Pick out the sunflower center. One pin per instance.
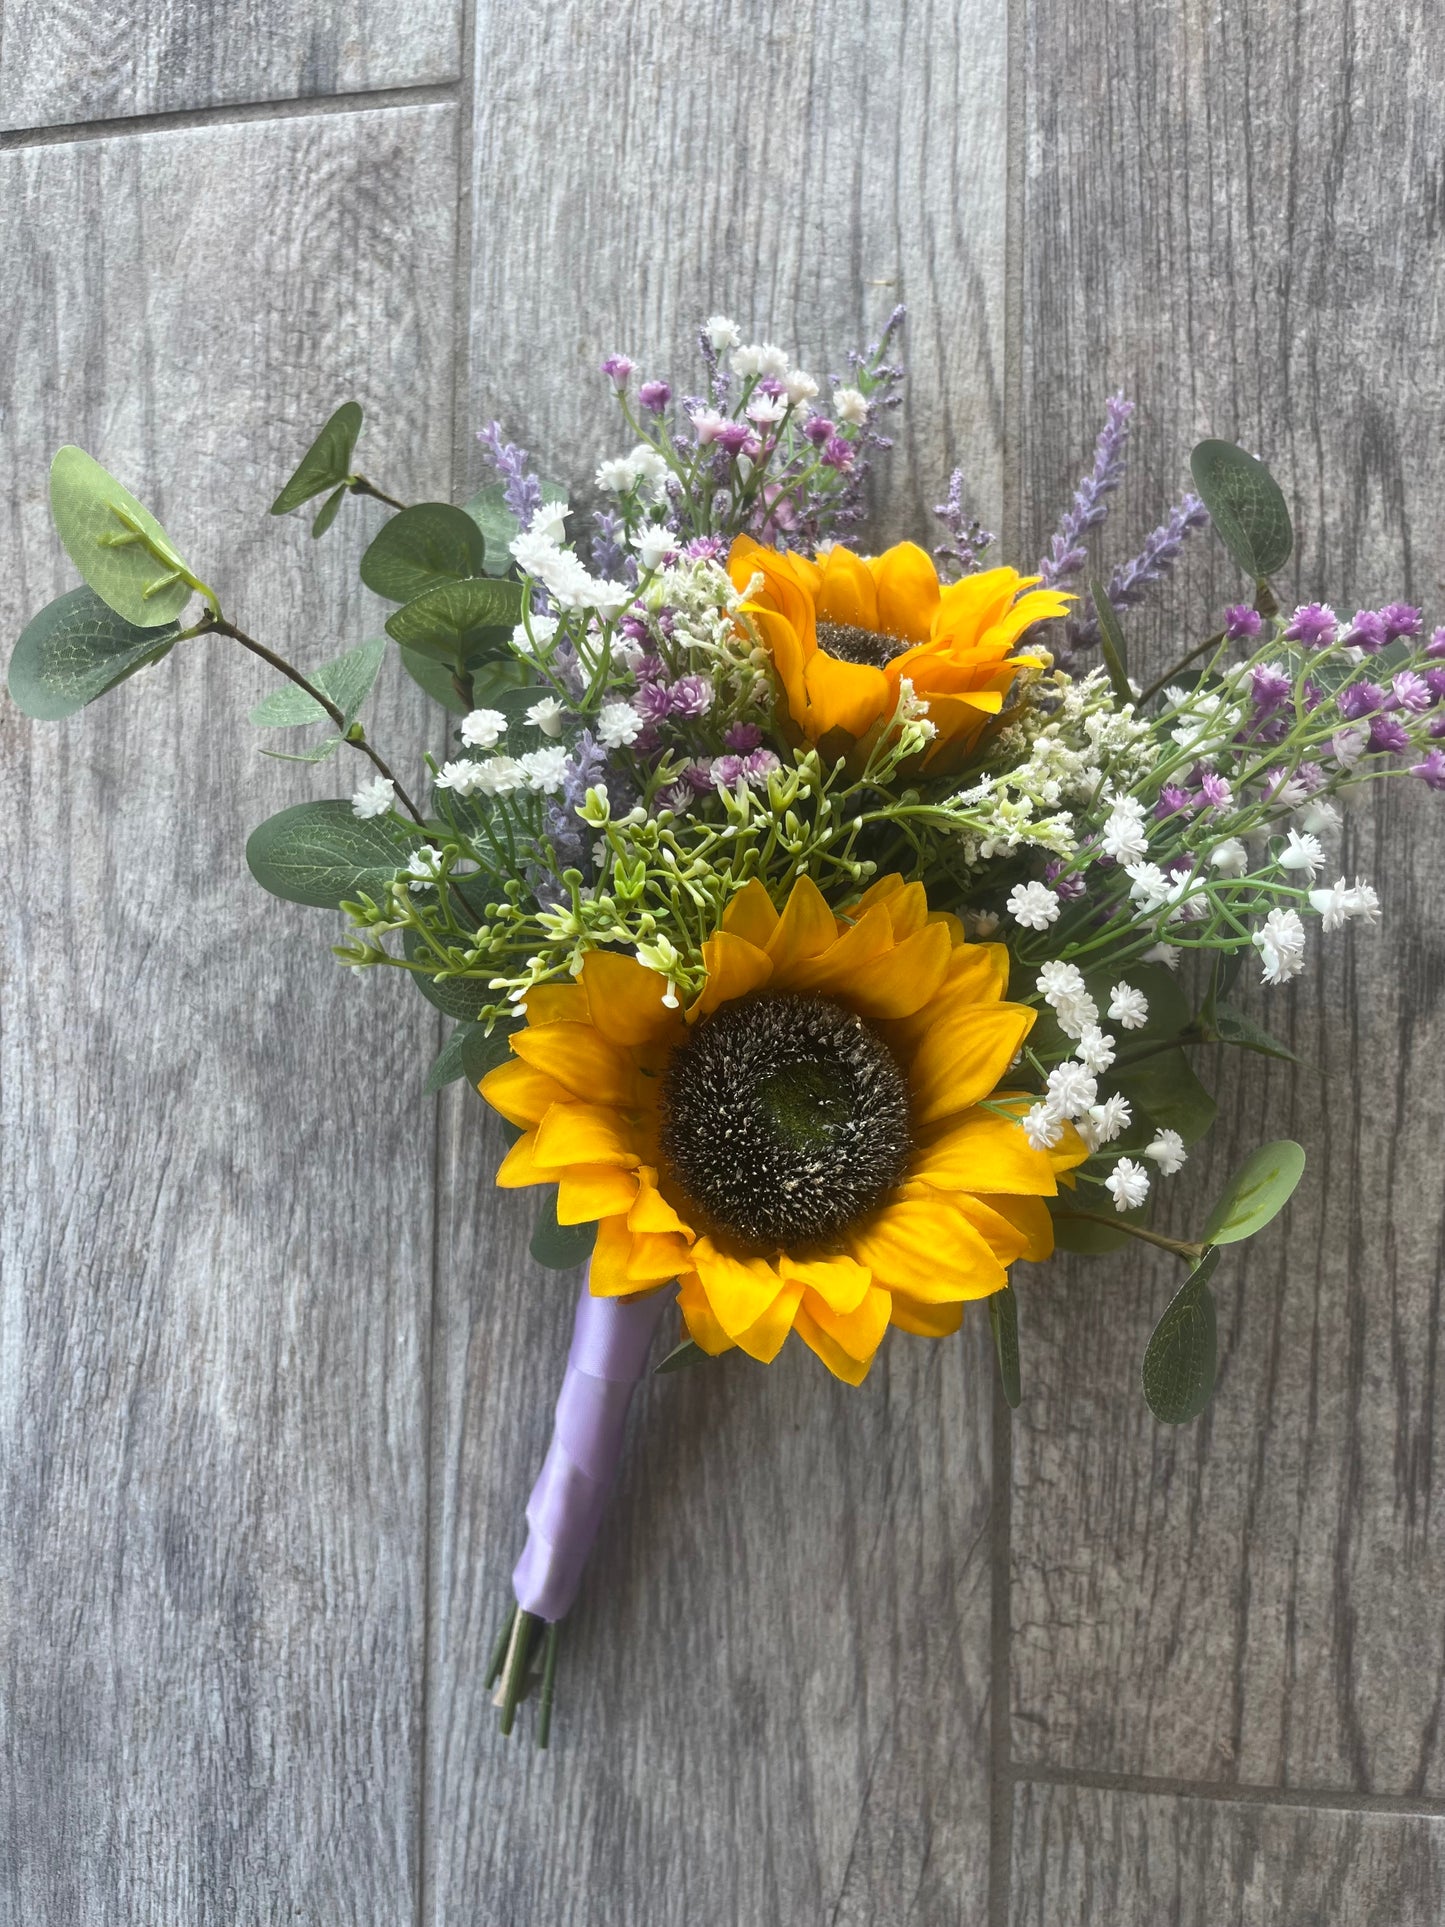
(849, 643)
(785, 1119)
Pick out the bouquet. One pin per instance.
(831, 930)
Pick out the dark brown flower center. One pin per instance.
(849, 643)
(785, 1119)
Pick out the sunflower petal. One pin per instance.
(860, 1331)
(764, 1339)
(847, 593)
(552, 1003)
(519, 1167)
(588, 1191)
(806, 927)
(607, 1270)
(652, 1212)
(522, 1095)
(963, 1054)
(702, 1327)
(981, 1151)
(832, 971)
(907, 584)
(584, 1134)
(580, 1059)
(739, 1290)
(903, 979)
(734, 967)
(840, 1281)
(851, 1370)
(1033, 1220)
(925, 1321)
(624, 999)
(851, 696)
(750, 915)
(925, 1247)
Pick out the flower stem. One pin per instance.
(513, 1684)
(360, 486)
(214, 623)
(1190, 1253)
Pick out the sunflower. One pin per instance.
(844, 631)
(817, 1145)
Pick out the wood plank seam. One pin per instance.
(229, 114)
(1314, 1799)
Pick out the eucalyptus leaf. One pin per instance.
(323, 854)
(326, 514)
(117, 545)
(1003, 1318)
(1169, 1009)
(1231, 1026)
(689, 1352)
(420, 548)
(560, 1246)
(75, 650)
(448, 1064)
(1256, 1193)
(1166, 1090)
(457, 619)
(1111, 641)
(1246, 505)
(1179, 1364)
(346, 679)
(435, 678)
(326, 464)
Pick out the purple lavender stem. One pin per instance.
(610, 1341)
(1067, 555)
(523, 494)
(969, 537)
(1131, 583)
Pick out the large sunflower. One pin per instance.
(809, 1148)
(845, 630)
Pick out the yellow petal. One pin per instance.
(925, 1321)
(580, 1059)
(652, 1212)
(860, 1331)
(1005, 1239)
(844, 695)
(624, 999)
(702, 1327)
(806, 927)
(519, 1167)
(851, 1370)
(584, 1134)
(1032, 1218)
(780, 638)
(831, 972)
(907, 584)
(904, 979)
(928, 1249)
(968, 607)
(981, 1151)
(588, 1191)
(521, 1094)
(840, 1281)
(738, 1289)
(977, 974)
(750, 915)
(763, 1340)
(962, 1056)
(734, 967)
(551, 1003)
(655, 1261)
(607, 1270)
(847, 593)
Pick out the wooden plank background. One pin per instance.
(274, 1368)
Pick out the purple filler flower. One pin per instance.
(743, 738)
(1435, 647)
(1215, 790)
(618, 368)
(654, 396)
(1400, 620)
(734, 437)
(1313, 625)
(652, 701)
(819, 430)
(1269, 687)
(1367, 631)
(1387, 733)
(691, 695)
(1432, 771)
(1241, 623)
(1172, 800)
(838, 454)
(1360, 699)
(1409, 691)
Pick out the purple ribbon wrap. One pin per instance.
(610, 1341)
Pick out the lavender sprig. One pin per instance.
(1067, 555)
(969, 537)
(1131, 582)
(523, 490)
(609, 557)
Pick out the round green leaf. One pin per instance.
(461, 997)
(560, 1246)
(75, 650)
(1245, 504)
(1256, 1193)
(1180, 1361)
(420, 548)
(499, 527)
(117, 545)
(435, 677)
(324, 855)
(326, 464)
(457, 620)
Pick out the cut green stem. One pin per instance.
(1190, 1253)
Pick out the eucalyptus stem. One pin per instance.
(214, 623)
(360, 486)
(1191, 1253)
(1163, 682)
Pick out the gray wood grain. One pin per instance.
(1217, 219)
(774, 1692)
(1096, 1858)
(215, 1249)
(62, 62)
